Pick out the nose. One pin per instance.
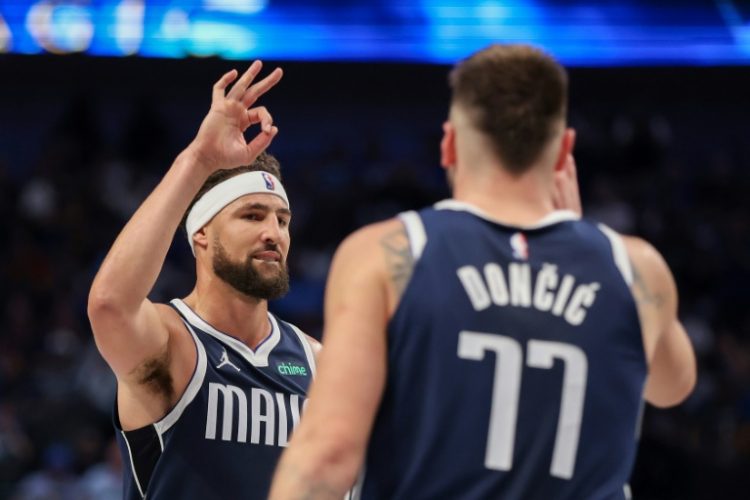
(271, 232)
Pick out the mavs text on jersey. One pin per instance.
(223, 438)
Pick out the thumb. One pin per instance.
(260, 143)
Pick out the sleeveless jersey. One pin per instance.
(223, 438)
(516, 365)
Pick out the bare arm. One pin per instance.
(128, 328)
(328, 447)
(672, 366)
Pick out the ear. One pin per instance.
(567, 142)
(200, 238)
(448, 146)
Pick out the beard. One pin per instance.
(246, 279)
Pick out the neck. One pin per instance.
(516, 200)
(479, 178)
(229, 311)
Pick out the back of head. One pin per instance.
(514, 94)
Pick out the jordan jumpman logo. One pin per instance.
(225, 361)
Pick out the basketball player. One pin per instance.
(491, 346)
(208, 387)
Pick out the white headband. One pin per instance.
(225, 193)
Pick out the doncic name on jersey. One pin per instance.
(519, 285)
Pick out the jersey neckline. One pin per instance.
(550, 219)
(257, 357)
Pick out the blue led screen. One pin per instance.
(587, 33)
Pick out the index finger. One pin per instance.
(221, 85)
(260, 88)
(247, 77)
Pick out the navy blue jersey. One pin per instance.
(223, 438)
(516, 366)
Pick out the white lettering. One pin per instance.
(546, 280)
(228, 392)
(474, 286)
(264, 407)
(520, 284)
(525, 287)
(583, 297)
(493, 273)
(282, 419)
(562, 294)
(294, 403)
(268, 418)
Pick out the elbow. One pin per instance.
(100, 303)
(677, 392)
(346, 458)
(685, 386)
(104, 309)
(326, 460)
(340, 461)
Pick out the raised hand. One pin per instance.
(220, 142)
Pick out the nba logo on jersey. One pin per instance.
(268, 180)
(520, 246)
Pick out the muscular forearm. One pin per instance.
(315, 469)
(132, 265)
(672, 372)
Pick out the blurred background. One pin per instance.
(97, 97)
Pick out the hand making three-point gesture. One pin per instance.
(220, 142)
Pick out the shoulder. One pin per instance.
(646, 259)
(374, 248)
(170, 318)
(375, 260)
(653, 285)
(371, 249)
(373, 236)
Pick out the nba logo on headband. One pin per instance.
(269, 181)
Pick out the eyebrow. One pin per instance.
(265, 208)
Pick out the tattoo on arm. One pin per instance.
(645, 295)
(398, 258)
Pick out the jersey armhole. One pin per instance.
(415, 232)
(194, 385)
(619, 253)
(307, 347)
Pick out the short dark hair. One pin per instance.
(265, 162)
(515, 94)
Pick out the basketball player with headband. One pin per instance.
(209, 387)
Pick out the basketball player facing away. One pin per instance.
(208, 387)
(491, 346)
